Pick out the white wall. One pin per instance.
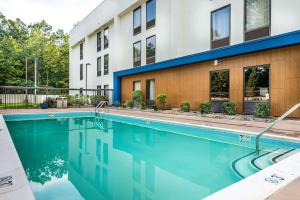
(182, 28)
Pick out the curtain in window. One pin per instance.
(220, 23)
(257, 14)
(152, 90)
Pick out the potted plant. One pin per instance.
(44, 105)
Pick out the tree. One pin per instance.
(18, 41)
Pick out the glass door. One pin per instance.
(150, 92)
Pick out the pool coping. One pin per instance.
(13, 179)
(286, 169)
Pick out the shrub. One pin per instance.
(129, 104)
(137, 96)
(162, 99)
(95, 100)
(124, 104)
(262, 110)
(154, 107)
(143, 106)
(185, 106)
(229, 108)
(205, 107)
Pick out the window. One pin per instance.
(137, 54)
(150, 50)
(219, 89)
(99, 36)
(257, 19)
(136, 85)
(256, 86)
(151, 13)
(106, 62)
(99, 90)
(81, 91)
(106, 41)
(99, 66)
(106, 87)
(81, 51)
(137, 21)
(220, 27)
(81, 72)
(150, 92)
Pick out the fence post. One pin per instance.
(5, 98)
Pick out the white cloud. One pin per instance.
(58, 13)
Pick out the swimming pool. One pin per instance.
(83, 156)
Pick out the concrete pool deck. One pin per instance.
(288, 168)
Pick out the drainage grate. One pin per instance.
(6, 181)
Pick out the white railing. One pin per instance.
(102, 104)
(290, 111)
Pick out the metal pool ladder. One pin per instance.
(297, 106)
(102, 104)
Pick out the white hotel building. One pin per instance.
(107, 37)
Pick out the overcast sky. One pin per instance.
(58, 13)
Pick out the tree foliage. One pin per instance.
(18, 41)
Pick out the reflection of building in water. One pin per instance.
(138, 163)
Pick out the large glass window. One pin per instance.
(219, 85)
(99, 36)
(219, 89)
(106, 64)
(81, 72)
(220, 30)
(150, 50)
(257, 14)
(137, 54)
(136, 85)
(106, 40)
(99, 66)
(151, 13)
(256, 86)
(257, 18)
(150, 92)
(81, 51)
(137, 20)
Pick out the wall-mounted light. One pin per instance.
(216, 62)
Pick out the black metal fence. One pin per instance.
(12, 97)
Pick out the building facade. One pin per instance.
(244, 51)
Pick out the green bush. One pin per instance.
(162, 99)
(154, 107)
(124, 104)
(95, 100)
(185, 106)
(143, 106)
(137, 96)
(205, 107)
(229, 108)
(262, 110)
(129, 104)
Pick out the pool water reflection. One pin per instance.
(90, 158)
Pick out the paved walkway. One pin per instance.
(290, 127)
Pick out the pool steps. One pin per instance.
(253, 162)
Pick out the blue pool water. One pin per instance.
(80, 156)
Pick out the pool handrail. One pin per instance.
(290, 111)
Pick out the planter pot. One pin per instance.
(44, 105)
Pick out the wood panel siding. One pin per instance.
(191, 82)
